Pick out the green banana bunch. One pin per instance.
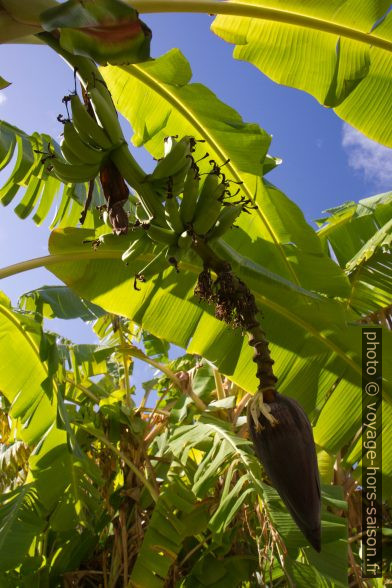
(86, 144)
(201, 212)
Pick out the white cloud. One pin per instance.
(369, 158)
(3, 98)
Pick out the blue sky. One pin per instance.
(324, 161)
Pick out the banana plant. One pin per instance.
(171, 249)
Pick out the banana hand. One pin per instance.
(72, 174)
(78, 152)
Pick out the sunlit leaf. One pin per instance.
(360, 236)
(20, 523)
(338, 51)
(24, 383)
(59, 302)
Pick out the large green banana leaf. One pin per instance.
(317, 356)
(360, 237)
(25, 382)
(59, 302)
(158, 100)
(339, 51)
(12, 29)
(20, 523)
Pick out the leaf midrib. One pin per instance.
(260, 12)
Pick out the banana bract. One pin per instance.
(288, 454)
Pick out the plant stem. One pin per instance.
(219, 386)
(48, 260)
(128, 400)
(168, 372)
(259, 12)
(165, 413)
(124, 545)
(135, 352)
(240, 406)
(121, 455)
(86, 391)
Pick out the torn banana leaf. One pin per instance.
(108, 31)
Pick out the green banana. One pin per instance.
(184, 240)
(136, 248)
(156, 266)
(172, 214)
(208, 204)
(107, 116)
(73, 174)
(135, 177)
(88, 129)
(141, 213)
(69, 154)
(189, 196)
(76, 151)
(173, 255)
(226, 218)
(175, 161)
(161, 235)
